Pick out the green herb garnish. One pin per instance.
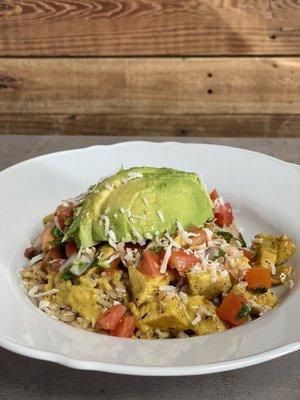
(66, 275)
(56, 242)
(243, 313)
(259, 290)
(241, 240)
(226, 235)
(57, 233)
(157, 249)
(220, 254)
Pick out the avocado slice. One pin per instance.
(140, 203)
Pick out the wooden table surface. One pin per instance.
(28, 379)
(176, 67)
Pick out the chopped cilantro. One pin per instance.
(157, 249)
(243, 313)
(57, 233)
(226, 235)
(220, 254)
(241, 240)
(66, 275)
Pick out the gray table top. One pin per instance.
(28, 379)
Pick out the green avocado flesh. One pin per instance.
(141, 203)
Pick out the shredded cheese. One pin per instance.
(106, 224)
(161, 216)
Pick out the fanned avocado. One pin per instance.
(140, 203)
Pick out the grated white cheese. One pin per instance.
(112, 258)
(165, 260)
(33, 292)
(37, 258)
(132, 175)
(183, 297)
(112, 235)
(56, 223)
(44, 304)
(196, 320)
(139, 237)
(113, 244)
(106, 224)
(224, 273)
(183, 234)
(213, 271)
(109, 186)
(168, 288)
(209, 235)
(145, 201)
(161, 216)
(273, 269)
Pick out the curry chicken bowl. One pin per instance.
(149, 253)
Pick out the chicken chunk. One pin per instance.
(203, 317)
(260, 303)
(201, 283)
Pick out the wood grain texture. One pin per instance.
(158, 125)
(183, 97)
(149, 27)
(150, 86)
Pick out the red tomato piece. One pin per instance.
(125, 327)
(71, 248)
(55, 265)
(114, 267)
(230, 308)
(200, 238)
(182, 261)
(52, 254)
(63, 212)
(214, 195)
(150, 263)
(223, 214)
(247, 253)
(108, 321)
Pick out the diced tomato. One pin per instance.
(214, 195)
(200, 238)
(258, 278)
(55, 265)
(52, 254)
(230, 308)
(30, 252)
(47, 237)
(125, 327)
(63, 212)
(110, 318)
(182, 261)
(150, 263)
(247, 253)
(71, 248)
(113, 268)
(223, 214)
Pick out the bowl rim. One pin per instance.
(137, 369)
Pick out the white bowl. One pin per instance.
(265, 194)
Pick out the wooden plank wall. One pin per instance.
(150, 67)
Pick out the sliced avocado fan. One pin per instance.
(140, 203)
